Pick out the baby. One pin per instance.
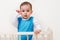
(26, 22)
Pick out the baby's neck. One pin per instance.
(25, 18)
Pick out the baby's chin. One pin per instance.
(25, 17)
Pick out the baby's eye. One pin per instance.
(23, 11)
(27, 10)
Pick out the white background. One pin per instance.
(48, 12)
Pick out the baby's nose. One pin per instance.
(25, 12)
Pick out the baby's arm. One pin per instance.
(37, 26)
(14, 21)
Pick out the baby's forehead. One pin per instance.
(26, 6)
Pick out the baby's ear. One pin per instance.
(31, 11)
(18, 11)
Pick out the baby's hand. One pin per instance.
(17, 11)
(37, 31)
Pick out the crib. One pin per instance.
(48, 35)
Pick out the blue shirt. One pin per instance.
(25, 26)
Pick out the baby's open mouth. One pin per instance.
(25, 15)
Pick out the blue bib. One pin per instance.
(25, 26)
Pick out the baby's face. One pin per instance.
(25, 11)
